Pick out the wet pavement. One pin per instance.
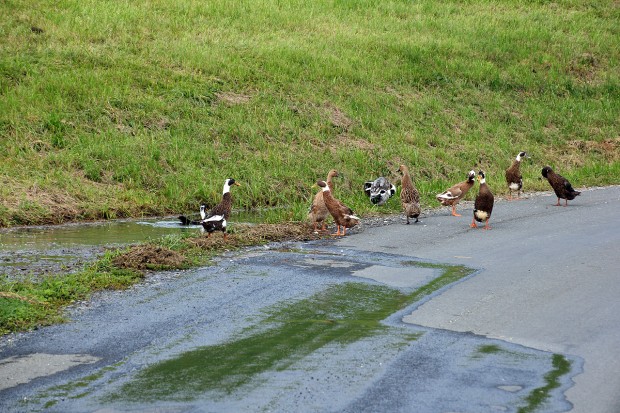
(318, 326)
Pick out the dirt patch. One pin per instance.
(245, 235)
(230, 98)
(142, 257)
(338, 118)
(148, 256)
(608, 147)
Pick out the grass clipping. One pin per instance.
(156, 257)
(150, 257)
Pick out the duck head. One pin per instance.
(322, 184)
(521, 156)
(471, 175)
(228, 183)
(480, 177)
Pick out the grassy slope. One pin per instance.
(144, 107)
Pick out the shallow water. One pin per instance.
(109, 233)
(28, 252)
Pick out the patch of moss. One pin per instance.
(561, 366)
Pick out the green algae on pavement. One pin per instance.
(342, 314)
(537, 397)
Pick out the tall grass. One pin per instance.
(112, 109)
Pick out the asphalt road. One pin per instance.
(546, 283)
(550, 280)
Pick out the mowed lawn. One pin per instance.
(128, 108)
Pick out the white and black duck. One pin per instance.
(379, 190)
(215, 219)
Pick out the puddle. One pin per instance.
(46, 238)
(19, 370)
(29, 252)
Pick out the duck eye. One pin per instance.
(382, 191)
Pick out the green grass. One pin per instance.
(110, 111)
(27, 304)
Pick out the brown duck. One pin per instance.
(409, 195)
(215, 220)
(455, 193)
(513, 176)
(318, 211)
(342, 214)
(483, 205)
(562, 188)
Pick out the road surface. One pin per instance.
(292, 327)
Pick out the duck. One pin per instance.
(483, 205)
(318, 211)
(562, 188)
(513, 176)
(455, 193)
(379, 190)
(215, 220)
(188, 221)
(342, 214)
(409, 195)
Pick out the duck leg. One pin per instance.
(337, 233)
(454, 211)
(558, 204)
(486, 225)
(473, 223)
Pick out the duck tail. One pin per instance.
(186, 221)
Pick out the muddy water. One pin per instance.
(30, 252)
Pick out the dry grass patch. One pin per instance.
(230, 98)
(148, 256)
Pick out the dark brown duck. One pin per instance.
(562, 188)
(483, 205)
(513, 176)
